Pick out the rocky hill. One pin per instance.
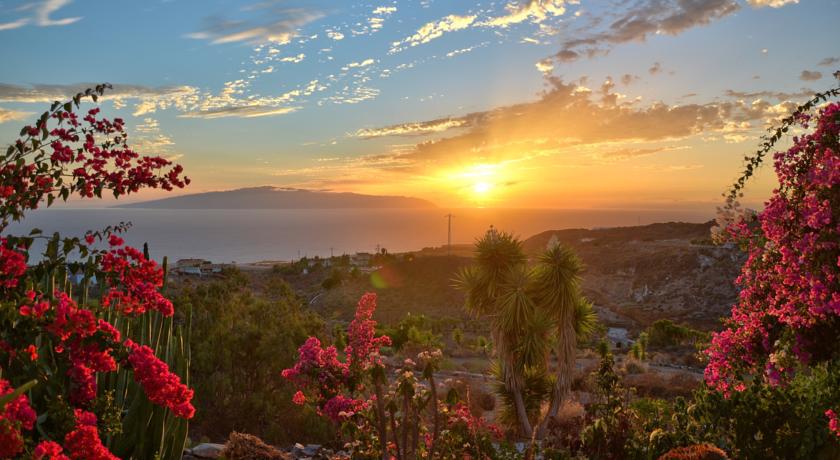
(636, 275)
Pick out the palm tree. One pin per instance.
(530, 309)
(558, 296)
(497, 288)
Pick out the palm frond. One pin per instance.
(556, 280)
(515, 305)
(586, 320)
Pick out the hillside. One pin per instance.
(280, 198)
(637, 275)
(634, 275)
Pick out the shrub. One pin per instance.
(239, 341)
(378, 418)
(695, 452)
(787, 318)
(99, 376)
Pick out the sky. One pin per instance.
(519, 104)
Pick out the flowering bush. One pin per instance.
(788, 314)
(69, 356)
(383, 417)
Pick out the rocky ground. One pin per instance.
(636, 275)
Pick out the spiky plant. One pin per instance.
(532, 311)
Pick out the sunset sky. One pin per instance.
(536, 104)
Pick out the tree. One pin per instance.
(530, 308)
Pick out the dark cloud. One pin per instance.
(810, 75)
(627, 79)
(829, 61)
(778, 95)
(640, 20)
(655, 68)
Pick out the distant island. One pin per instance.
(269, 197)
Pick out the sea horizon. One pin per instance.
(255, 235)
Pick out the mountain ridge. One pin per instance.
(268, 197)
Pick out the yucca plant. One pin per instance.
(533, 309)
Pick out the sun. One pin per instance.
(481, 188)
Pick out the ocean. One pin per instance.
(252, 235)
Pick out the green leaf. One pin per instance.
(5, 399)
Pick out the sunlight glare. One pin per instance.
(482, 187)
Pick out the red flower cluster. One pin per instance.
(363, 347)
(63, 155)
(12, 265)
(790, 298)
(461, 415)
(833, 422)
(340, 408)
(162, 387)
(319, 369)
(34, 309)
(83, 442)
(48, 450)
(85, 361)
(299, 398)
(790, 281)
(16, 416)
(134, 281)
(72, 325)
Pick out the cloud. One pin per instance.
(655, 68)
(829, 61)
(47, 8)
(809, 75)
(778, 95)
(335, 35)
(231, 101)
(42, 12)
(293, 59)
(771, 3)
(627, 79)
(629, 153)
(433, 30)
(385, 10)
(245, 111)
(454, 53)
(534, 10)
(269, 24)
(149, 140)
(14, 24)
(566, 117)
(12, 115)
(49, 93)
(411, 129)
(379, 14)
(545, 65)
(641, 20)
(364, 63)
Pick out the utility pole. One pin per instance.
(331, 253)
(449, 234)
